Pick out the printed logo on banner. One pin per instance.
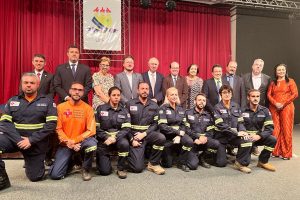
(102, 25)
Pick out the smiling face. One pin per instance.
(153, 64)
(280, 71)
(128, 64)
(217, 72)
(172, 95)
(76, 92)
(73, 54)
(193, 70)
(174, 68)
(38, 63)
(200, 102)
(231, 68)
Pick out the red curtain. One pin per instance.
(190, 34)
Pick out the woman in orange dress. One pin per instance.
(281, 94)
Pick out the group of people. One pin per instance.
(168, 120)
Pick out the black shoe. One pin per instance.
(48, 162)
(203, 163)
(230, 151)
(4, 180)
(183, 168)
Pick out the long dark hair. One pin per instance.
(286, 74)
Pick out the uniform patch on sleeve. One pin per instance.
(104, 113)
(161, 112)
(14, 103)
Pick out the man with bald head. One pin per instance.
(155, 81)
(177, 81)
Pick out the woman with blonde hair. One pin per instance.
(172, 124)
(102, 82)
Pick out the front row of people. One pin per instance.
(132, 129)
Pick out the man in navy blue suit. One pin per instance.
(155, 81)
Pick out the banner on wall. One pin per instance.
(102, 25)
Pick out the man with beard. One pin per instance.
(200, 127)
(76, 127)
(27, 121)
(144, 119)
(128, 80)
(259, 125)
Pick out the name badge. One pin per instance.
(181, 113)
(104, 113)
(121, 116)
(168, 112)
(41, 104)
(245, 115)
(133, 108)
(14, 103)
(191, 117)
(206, 120)
(223, 111)
(261, 116)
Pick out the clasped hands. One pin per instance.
(247, 136)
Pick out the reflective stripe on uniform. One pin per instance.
(162, 121)
(126, 125)
(247, 144)
(212, 150)
(51, 118)
(240, 119)
(218, 121)
(175, 127)
(186, 148)
(252, 132)
(112, 134)
(155, 117)
(140, 127)
(269, 122)
(158, 147)
(210, 128)
(6, 117)
(98, 124)
(268, 148)
(29, 126)
(89, 149)
(123, 154)
(187, 124)
(202, 134)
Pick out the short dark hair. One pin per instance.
(39, 55)
(188, 69)
(252, 90)
(225, 87)
(113, 89)
(77, 82)
(141, 82)
(127, 56)
(200, 94)
(73, 46)
(215, 66)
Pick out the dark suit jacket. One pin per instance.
(239, 94)
(181, 86)
(122, 82)
(210, 90)
(63, 79)
(158, 89)
(46, 85)
(265, 82)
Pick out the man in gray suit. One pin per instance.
(258, 80)
(236, 83)
(127, 80)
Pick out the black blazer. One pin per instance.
(158, 89)
(239, 94)
(46, 85)
(265, 82)
(63, 79)
(210, 90)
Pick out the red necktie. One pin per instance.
(39, 75)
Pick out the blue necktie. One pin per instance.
(73, 69)
(230, 80)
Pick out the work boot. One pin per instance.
(86, 176)
(242, 168)
(183, 167)
(202, 162)
(4, 180)
(122, 174)
(266, 166)
(255, 151)
(157, 169)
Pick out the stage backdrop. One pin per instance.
(192, 33)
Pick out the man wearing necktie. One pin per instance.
(175, 80)
(70, 72)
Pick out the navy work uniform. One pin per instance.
(36, 120)
(115, 123)
(171, 122)
(228, 122)
(144, 118)
(260, 122)
(200, 124)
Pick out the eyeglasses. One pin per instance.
(76, 89)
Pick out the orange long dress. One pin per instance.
(284, 93)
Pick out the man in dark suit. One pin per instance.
(211, 87)
(175, 80)
(70, 72)
(236, 83)
(46, 78)
(128, 80)
(155, 81)
(258, 80)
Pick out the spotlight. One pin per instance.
(170, 5)
(145, 3)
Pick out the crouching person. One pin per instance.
(113, 129)
(76, 127)
(259, 125)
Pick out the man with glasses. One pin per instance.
(76, 127)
